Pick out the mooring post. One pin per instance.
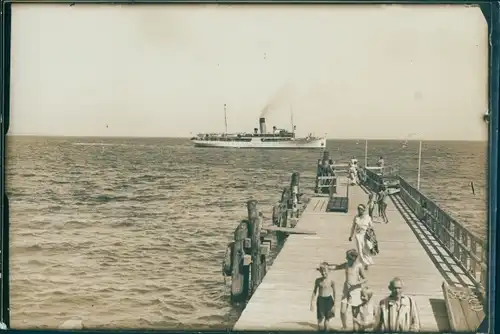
(277, 214)
(285, 200)
(284, 195)
(326, 156)
(318, 174)
(265, 250)
(294, 190)
(254, 227)
(239, 281)
(283, 213)
(263, 261)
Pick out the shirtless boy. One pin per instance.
(323, 298)
(382, 203)
(354, 279)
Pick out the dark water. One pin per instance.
(127, 233)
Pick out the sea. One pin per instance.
(131, 232)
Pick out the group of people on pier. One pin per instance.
(378, 200)
(375, 200)
(397, 312)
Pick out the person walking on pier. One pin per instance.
(323, 298)
(365, 314)
(397, 313)
(380, 164)
(371, 205)
(362, 176)
(382, 197)
(354, 279)
(361, 223)
(353, 174)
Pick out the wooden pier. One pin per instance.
(433, 254)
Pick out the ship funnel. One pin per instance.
(262, 124)
(255, 131)
(274, 129)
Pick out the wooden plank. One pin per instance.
(455, 312)
(282, 303)
(472, 317)
(288, 230)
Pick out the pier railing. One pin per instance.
(374, 177)
(469, 251)
(381, 171)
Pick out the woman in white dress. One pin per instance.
(353, 175)
(362, 221)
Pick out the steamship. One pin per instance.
(277, 139)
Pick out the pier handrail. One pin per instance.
(386, 170)
(468, 250)
(374, 180)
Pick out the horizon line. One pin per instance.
(188, 137)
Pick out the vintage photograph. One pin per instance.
(248, 167)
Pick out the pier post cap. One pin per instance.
(251, 202)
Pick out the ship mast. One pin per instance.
(291, 119)
(225, 117)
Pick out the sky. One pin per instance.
(364, 72)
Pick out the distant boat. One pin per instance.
(277, 139)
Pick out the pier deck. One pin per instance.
(282, 300)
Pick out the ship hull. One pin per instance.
(258, 144)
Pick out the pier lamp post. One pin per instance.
(419, 159)
(225, 117)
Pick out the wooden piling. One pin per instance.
(285, 198)
(319, 172)
(296, 181)
(239, 284)
(281, 213)
(294, 191)
(252, 245)
(277, 214)
(254, 229)
(326, 156)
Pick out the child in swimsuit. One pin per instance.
(364, 314)
(324, 295)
